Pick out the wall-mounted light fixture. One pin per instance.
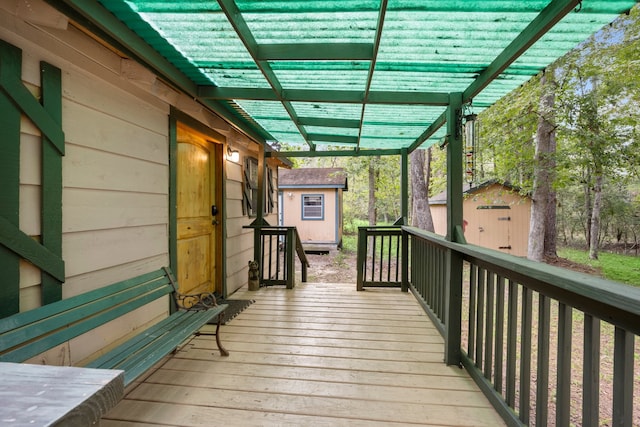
(233, 155)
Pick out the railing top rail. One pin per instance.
(269, 227)
(302, 256)
(613, 302)
(381, 227)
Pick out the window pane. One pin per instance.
(312, 206)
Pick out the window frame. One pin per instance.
(303, 214)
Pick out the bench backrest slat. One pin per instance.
(27, 317)
(80, 315)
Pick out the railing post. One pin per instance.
(361, 257)
(453, 297)
(291, 260)
(404, 256)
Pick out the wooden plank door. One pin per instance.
(494, 230)
(198, 197)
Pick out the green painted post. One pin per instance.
(291, 257)
(404, 186)
(51, 209)
(259, 206)
(10, 71)
(453, 296)
(361, 257)
(404, 209)
(173, 196)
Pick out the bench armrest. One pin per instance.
(194, 302)
(201, 301)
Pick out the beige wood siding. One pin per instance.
(497, 218)
(115, 171)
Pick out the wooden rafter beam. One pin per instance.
(316, 95)
(241, 28)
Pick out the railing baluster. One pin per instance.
(563, 386)
(398, 259)
(389, 258)
(512, 333)
(473, 289)
(623, 378)
(480, 318)
(591, 372)
(525, 355)
(279, 256)
(271, 255)
(498, 365)
(373, 258)
(488, 346)
(542, 376)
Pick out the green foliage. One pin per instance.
(506, 134)
(620, 268)
(351, 225)
(350, 243)
(597, 117)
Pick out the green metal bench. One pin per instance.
(25, 335)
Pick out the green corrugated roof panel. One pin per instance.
(300, 69)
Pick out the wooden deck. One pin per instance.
(320, 354)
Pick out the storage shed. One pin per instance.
(311, 200)
(496, 216)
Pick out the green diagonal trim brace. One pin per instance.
(23, 245)
(38, 115)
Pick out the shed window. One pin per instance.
(312, 206)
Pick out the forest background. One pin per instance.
(569, 138)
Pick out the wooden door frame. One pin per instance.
(176, 116)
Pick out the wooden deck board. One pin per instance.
(314, 355)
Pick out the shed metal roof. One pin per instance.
(373, 74)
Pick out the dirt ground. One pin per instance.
(340, 267)
(333, 267)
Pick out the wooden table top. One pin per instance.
(39, 395)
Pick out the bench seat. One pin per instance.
(25, 335)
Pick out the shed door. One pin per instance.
(198, 191)
(494, 229)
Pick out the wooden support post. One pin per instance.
(291, 257)
(404, 186)
(361, 257)
(453, 297)
(51, 209)
(10, 71)
(259, 221)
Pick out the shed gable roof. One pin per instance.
(441, 198)
(313, 177)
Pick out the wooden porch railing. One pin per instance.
(279, 247)
(379, 258)
(543, 343)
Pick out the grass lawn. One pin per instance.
(620, 268)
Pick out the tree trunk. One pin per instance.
(543, 172)
(373, 170)
(550, 231)
(420, 177)
(588, 208)
(595, 217)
